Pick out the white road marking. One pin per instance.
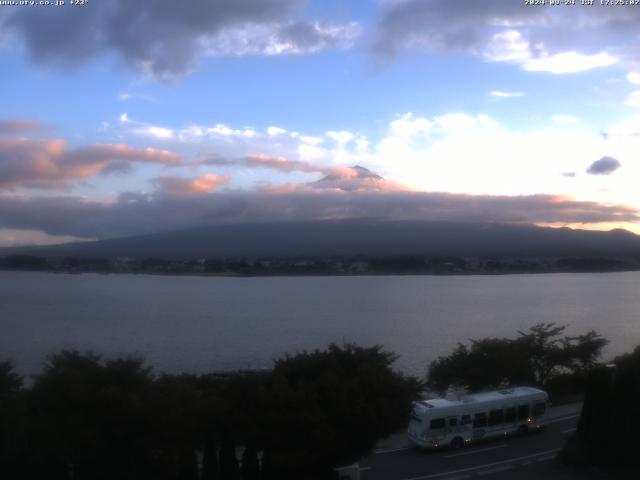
(528, 462)
(453, 472)
(545, 458)
(376, 452)
(495, 470)
(561, 419)
(568, 430)
(362, 469)
(475, 450)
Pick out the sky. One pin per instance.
(122, 118)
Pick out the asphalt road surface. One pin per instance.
(523, 457)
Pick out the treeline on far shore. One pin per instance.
(409, 264)
(85, 417)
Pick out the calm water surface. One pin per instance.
(207, 323)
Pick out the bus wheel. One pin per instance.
(523, 430)
(457, 443)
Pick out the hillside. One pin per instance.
(352, 238)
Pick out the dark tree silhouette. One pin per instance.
(210, 458)
(229, 468)
(250, 465)
(328, 408)
(607, 432)
(486, 363)
(92, 419)
(12, 419)
(612, 411)
(10, 381)
(534, 357)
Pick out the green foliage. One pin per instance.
(95, 419)
(535, 357)
(486, 363)
(92, 416)
(10, 381)
(329, 407)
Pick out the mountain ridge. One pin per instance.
(351, 238)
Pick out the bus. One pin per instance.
(443, 422)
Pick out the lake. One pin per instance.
(196, 324)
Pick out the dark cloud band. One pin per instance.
(133, 214)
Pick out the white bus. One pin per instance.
(454, 423)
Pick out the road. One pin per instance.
(526, 457)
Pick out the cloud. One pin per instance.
(15, 238)
(634, 78)
(336, 177)
(50, 164)
(295, 38)
(164, 38)
(500, 31)
(501, 94)
(13, 127)
(633, 99)
(626, 127)
(341, 137)
(310, 140)
(280, 164)
(408, 126)
(356, 179)
(273, 131)
(510, 46)
(126, 96)
(133, 213)
(159, 133)
(173, 185)
(569, 62)
(604, 166)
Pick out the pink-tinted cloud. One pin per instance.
(280, 164)
(357, 179)
(13, 127)
(180, 185)
(343, 178)
(50, 164)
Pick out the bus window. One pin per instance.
(437, 423)
(480, 420)
(523, 412)
(453, 422)
(496, 417)
(465, 420)
(539, 408)
(510, 415)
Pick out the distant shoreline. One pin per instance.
(323, 266)
(309, 274)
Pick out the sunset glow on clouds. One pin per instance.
(289, 110)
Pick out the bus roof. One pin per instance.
(503, 394)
